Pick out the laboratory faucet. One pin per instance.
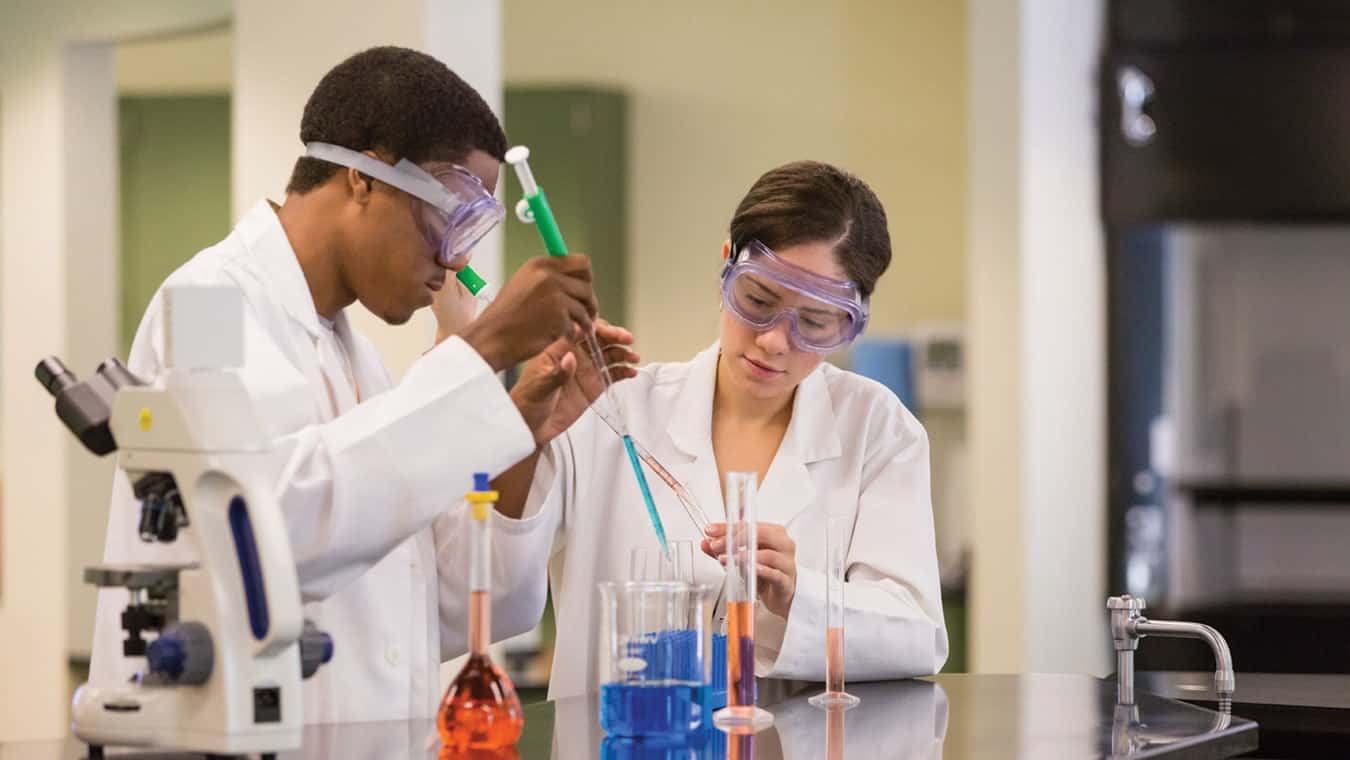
(1128, 626)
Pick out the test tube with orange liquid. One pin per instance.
(741, 712)
(836, 549)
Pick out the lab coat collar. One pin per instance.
(271, 252)
(812, 435)
(788, 488)
(691, 424)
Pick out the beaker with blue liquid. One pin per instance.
(653, 665)
(651, 564)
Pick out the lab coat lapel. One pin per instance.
(812, 437)
(274, 259)
(690, 434)
(367, 368)
(275, 264)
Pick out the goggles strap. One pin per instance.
(423, 188)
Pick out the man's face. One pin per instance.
(390, 265)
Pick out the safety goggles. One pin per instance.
(762, 289)
(452, 208)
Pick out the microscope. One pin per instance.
(223, 671)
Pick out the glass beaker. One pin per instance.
(652, 667)
(650, 564)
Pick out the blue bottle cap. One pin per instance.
(481, 482)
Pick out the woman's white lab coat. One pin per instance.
(370, 492)
(850, 449)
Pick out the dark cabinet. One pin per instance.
(1235, 135)
(1226, 111)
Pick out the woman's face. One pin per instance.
(764, 364)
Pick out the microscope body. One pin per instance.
(224, 674)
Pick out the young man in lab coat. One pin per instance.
(402, 158)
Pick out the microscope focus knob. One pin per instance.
(316, 648)
(183, 654)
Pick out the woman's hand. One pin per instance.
(776, 563)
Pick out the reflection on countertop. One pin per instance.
(947, 716)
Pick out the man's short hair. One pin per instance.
(397, 102)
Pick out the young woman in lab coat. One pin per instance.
(807, 245)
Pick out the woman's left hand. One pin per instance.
(776, 563)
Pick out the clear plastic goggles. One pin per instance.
(761, 290)
(452, 208)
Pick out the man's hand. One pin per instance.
(454, 307)
(775, 563)
(558, 385)
(545, 299)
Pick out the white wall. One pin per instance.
(58, 295)
(1038, 339)
(722, 92)
(201, 62)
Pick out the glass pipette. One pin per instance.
(534, 208)
(604, 407)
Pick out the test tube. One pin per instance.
(741, 712)
(836, 547)
(834, 733)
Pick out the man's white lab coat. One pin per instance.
(371, 491)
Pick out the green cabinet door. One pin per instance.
(578, 140)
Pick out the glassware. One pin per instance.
(836, 548)
(480, 710)
(742, 545)
(652, 662)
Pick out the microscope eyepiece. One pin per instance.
(54, 375)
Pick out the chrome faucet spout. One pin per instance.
(1128, 626)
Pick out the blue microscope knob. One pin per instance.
(316, 648)
(183, 654)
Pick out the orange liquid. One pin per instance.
(740, 747)
(740, 654)
(834, 734)
(480, 710)
(834, 659)
(507, 753)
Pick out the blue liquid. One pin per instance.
(664, 711)
(670, 656)
(646, 494)
(716, 697)
(707, 743)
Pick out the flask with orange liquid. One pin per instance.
(480, 710)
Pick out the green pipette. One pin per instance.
(470, 279)
(537, 210)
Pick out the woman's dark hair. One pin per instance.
(808, 202)
(399, 103)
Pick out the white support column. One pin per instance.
(34, 445)
(280, 57)
(58, 295)
(92, 278)
(1037, 314)
(997, 597)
